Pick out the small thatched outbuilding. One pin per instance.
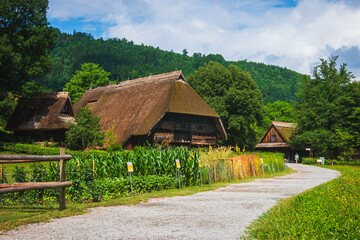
(277, 139)
(156, 108)
(42, 118)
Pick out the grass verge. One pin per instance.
(329, 211)
(17, 215)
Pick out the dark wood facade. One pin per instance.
(277, 139)
(155, 109)
(180, 129)
(273, 136)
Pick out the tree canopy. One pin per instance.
(328, 111)
(90, 76)
(278, 111)
(25, 41)
(235, 96)
(126, 60)
(85, 132)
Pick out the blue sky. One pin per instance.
(287, 33)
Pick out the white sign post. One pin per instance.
(177, 161)
(130, 169)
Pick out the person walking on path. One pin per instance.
(296, 158)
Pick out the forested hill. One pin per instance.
(126, 60)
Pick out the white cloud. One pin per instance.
(295, 37)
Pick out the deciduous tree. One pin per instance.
(91, 75)
(25, 41)
(328, 111)
(235, 96)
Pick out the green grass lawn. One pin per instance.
(329, 211)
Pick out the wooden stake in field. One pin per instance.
(1, 171)
(208, 166)
(252, 166)
(262, 165)
(229, 171)
(93, 167)
(241, 170)
(200, 172)
(214, 171)
(272, 165)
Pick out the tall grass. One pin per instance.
(329, 211)
(230, 165)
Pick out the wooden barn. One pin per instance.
(42, 118)
(155, 109)
(277, 139)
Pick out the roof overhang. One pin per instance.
(272, 145)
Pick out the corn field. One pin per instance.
(97, 176)
(212, 165)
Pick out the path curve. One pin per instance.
(220, 214)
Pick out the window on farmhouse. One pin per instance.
(273, 138)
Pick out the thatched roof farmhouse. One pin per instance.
(43, 117)
(277, 139)
(156, 108)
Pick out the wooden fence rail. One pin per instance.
(19, 187)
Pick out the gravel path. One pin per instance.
(220, 214)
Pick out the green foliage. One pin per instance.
(311, 161)
(277, 111)
(3, 178)
(328, 111)
(275, 83)
(7, 107)
(85, 132)
(25, 42)
(329, 211)
(90, 76)
(308, 160)
(39, 150)
(234, 95)
(110, 137)
(126, 60)
(20, 174)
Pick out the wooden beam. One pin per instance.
(19, 187)
(31, 158)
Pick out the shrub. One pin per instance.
(20, 174)
(85, 132)
(309, 160)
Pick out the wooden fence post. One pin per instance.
(232, 167)
(214, 171)
(62, 179)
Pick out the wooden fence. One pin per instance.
(19, 187)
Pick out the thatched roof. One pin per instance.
(134, 107)
(51, 111)
(285, 131)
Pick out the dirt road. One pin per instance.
(220, 214)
